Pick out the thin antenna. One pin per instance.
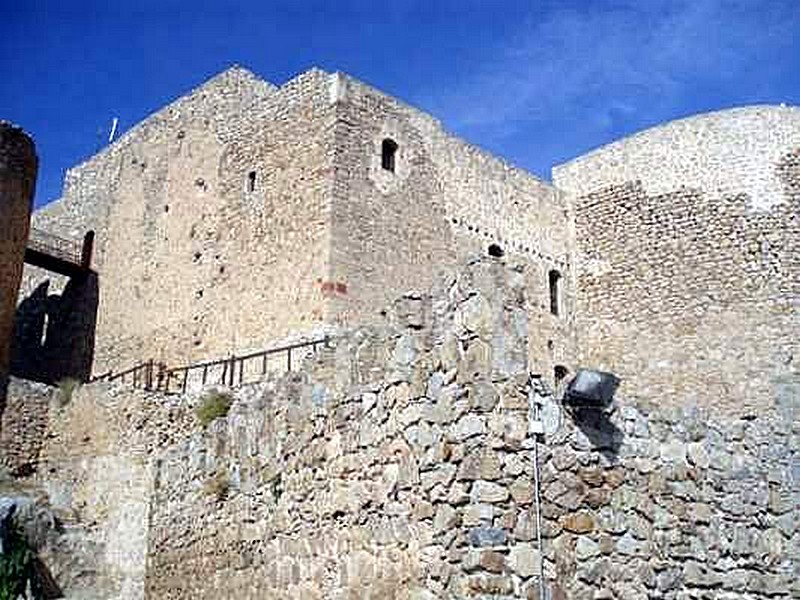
(113, 130)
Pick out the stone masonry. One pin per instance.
(18, 165)
(399, 464)
(266, 213)
(687, 269)
(460, 293)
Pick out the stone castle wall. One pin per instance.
(398, 464)
(446, 201)
(23, 426)
(686, 264)
(18, 166)
(193, 263)
(326, 237)
(683, 234)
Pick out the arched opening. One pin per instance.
(554, 279)
(388, 154)
(496, 250)
(251, 181)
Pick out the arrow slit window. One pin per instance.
(388, 154)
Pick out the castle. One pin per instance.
(245, 213)
(422, 453)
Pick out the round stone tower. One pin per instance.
(686, 265)
(18, 165)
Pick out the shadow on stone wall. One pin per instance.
(54, 334)
(600, 433)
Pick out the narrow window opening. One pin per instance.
(388, 153)
(495, 250)
(251, 181)
(554, 278)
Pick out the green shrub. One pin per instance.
(66, 387)
(16, 566)
(213, 405)
(218, 486)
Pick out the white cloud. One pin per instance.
(612, 61)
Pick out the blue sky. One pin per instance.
(537, 82)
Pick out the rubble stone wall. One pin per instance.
(686, 265)
(23, 426)
(399, 464)
(95, 475)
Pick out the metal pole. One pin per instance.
(160, 376)
(538, 502)
(536, 429)
(148, 375)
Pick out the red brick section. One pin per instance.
(331, 288)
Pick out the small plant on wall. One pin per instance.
(16, 565)
(217, 486)
(66, 388)
(213, 405)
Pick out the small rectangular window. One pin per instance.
(251, 181)
(388, 152)
(554, 278)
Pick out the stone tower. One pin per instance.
(18, 165)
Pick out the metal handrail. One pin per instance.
(154, 376)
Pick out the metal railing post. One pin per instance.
(160, 376)
(87, 249)
(148, 382)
